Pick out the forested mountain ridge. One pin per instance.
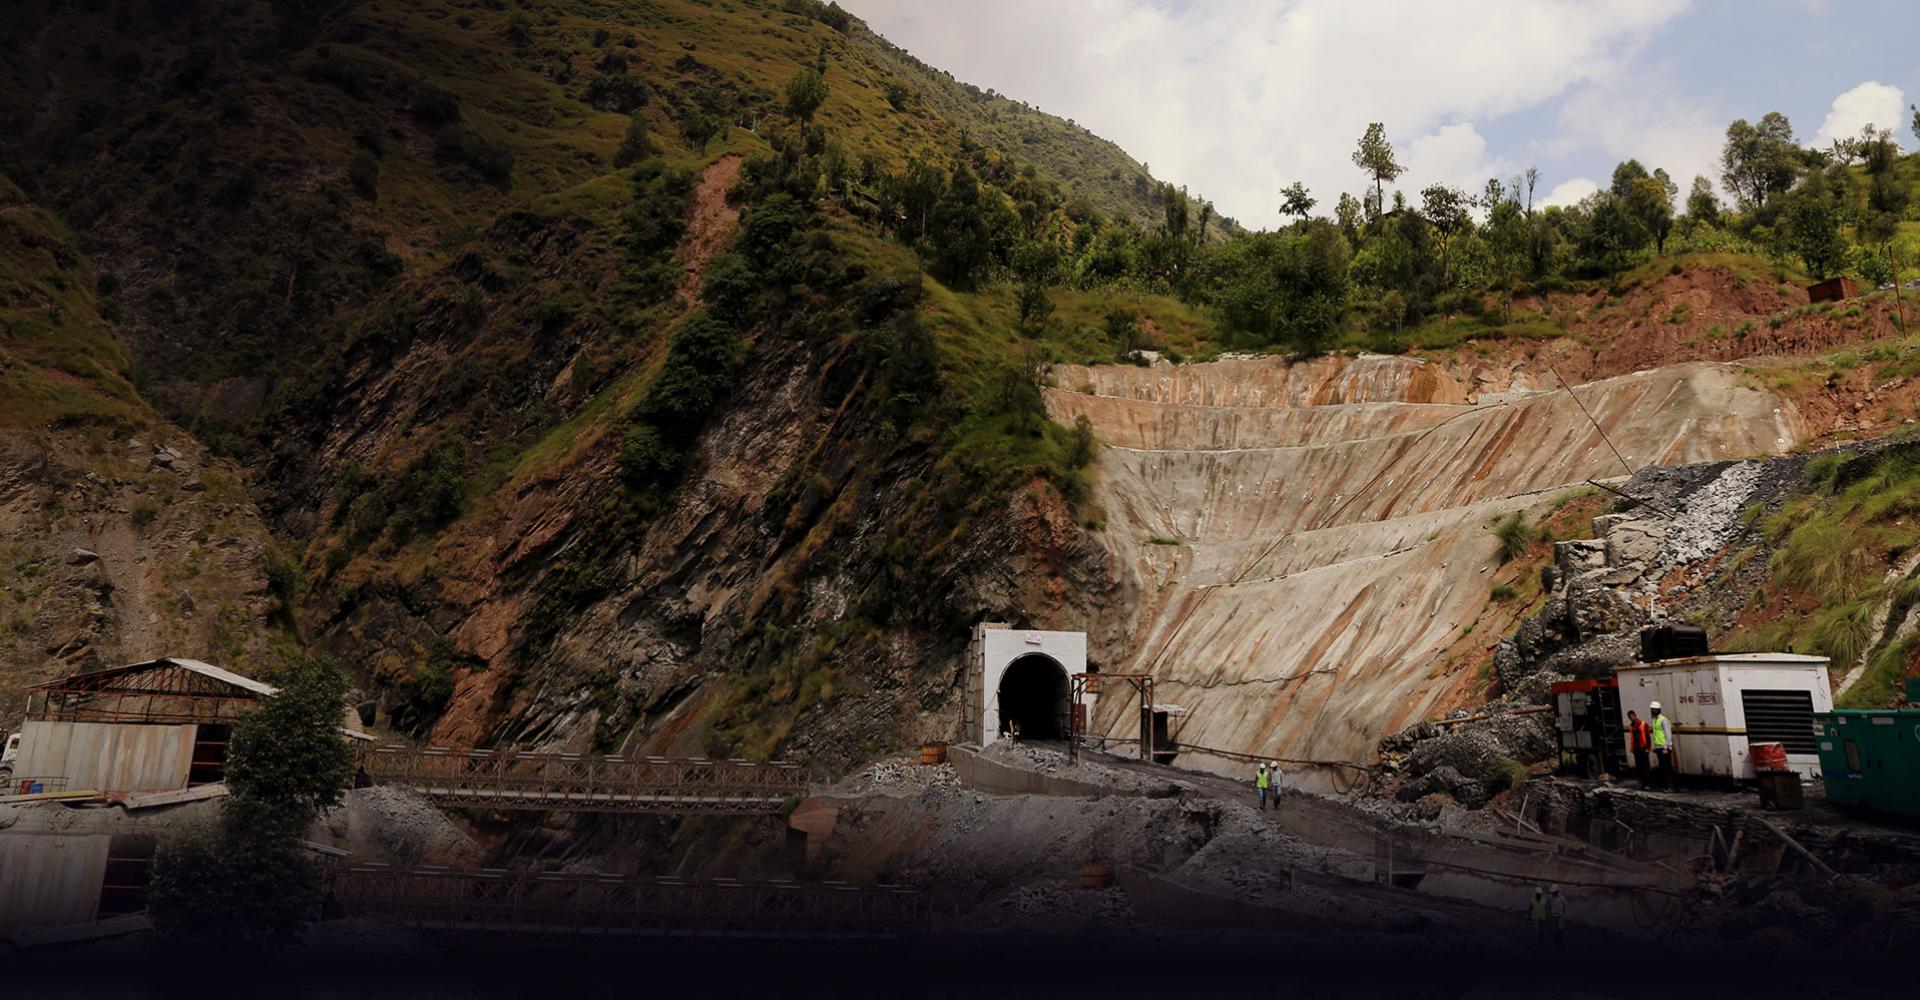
(669, 375)
(467, 288)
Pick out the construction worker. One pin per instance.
(1557, 913)
(1264, 783)
(1662, 740)
(1537, 913)
(1639, 736)
(1273, 778)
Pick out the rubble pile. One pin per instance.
(908, 775)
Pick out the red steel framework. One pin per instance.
(507, 779)
(157, 692)
(496, 900)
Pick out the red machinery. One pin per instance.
(1589, 727)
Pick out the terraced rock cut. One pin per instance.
(1303, 544)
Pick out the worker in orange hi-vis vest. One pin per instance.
(1640, 740)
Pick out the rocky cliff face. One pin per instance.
(1310, 541)
(119, 549)
(121, 538)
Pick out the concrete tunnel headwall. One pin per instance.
(1023, 675)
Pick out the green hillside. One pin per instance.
(635, 367)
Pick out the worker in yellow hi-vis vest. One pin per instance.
(1662, 746)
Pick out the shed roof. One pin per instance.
(123, 677)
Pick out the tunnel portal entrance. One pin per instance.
(1034, 696)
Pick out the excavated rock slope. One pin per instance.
(1301, 542)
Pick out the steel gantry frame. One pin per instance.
(507, 779)
(1090, 681)
(536, 903)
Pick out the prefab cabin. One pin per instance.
(1721, 704)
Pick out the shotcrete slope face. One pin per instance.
(1333, 517)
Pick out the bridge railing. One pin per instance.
(564, 903)
(509, 778)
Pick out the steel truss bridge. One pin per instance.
(506, 779)
(540, 903)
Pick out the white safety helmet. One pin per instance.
(1654, 705)
(1555, 890)
(1276, 765)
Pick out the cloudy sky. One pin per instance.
(1235, 98)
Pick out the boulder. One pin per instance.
(1636, 543)
(1579, 556)
(1605, 522)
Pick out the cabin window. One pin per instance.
(123, 886)
(209, 754)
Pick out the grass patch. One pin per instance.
(1514, 533)
(1831, 546)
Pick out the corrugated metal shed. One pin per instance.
(154, 726)
(50, 879)
(108, 757)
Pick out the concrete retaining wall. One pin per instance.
(977, 772)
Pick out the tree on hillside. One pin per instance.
(1036, 263)
(1507, 236)
(1624, 175)
(1608, 233)
(287, 755)
(1812, 231)
(1285, 288)
(698, 129)
(1347, 213)
(1446, 208)
(917, 190)
(972, 226)
(1887, 198)
(1650, 200)
(805, 93)
(246, 880)
(1375, 156)
(1759, 162)
(1034, 197)
(1702, 204)
(1493, 195)
(1295, 201)
(635, 146)
(1175, 205)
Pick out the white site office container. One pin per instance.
(1718, 704)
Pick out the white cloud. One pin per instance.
(1236, 100)
(1455, 155)
(1872, 103)
(1640, 115)
(1569, 192)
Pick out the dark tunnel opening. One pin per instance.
(1033, 695)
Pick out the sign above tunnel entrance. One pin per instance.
(1021, 677)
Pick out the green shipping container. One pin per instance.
(1871, 758)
